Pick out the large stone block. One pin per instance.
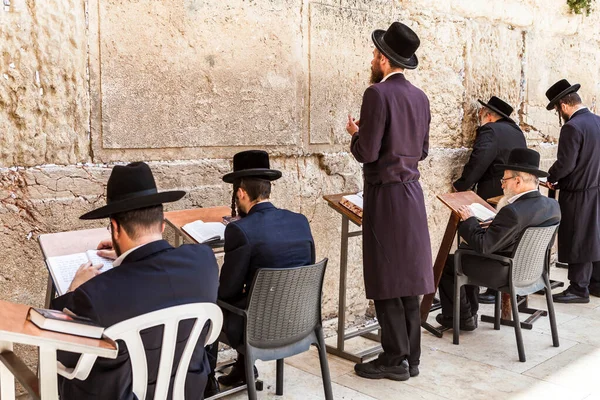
(340, 55)
(550, 58)
(441, 73)
(493, 68)
(44, 103)
(197, 74)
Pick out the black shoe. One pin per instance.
(212, 387)
(375, 370)
(487, 297)
(466, 324)
(569, 297)
(237, 375)
(413, 370)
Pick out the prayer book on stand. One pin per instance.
(65, 322)
(354, 203)
(205, 232)
(482, 213)
(63, 268)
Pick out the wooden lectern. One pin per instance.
(454, 201)
(334, 202)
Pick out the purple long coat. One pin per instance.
(392, 139)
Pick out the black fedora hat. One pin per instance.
(251, 163)
(559, 90)
(131, 187)
(524, 160)
(498, 106)
(398, 44)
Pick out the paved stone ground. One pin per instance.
(484, 366)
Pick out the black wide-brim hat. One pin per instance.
(131, 187)
(251, 163)
(524, 160)
(398, 44)
(499, 106)
(559, 90)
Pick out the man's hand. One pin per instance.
(352, 125)
(85, 272)
(465, 212)
(105, 249)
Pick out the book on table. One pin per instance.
(205, 232)
(482, 213)
(64, 322)
(354, 203)
(63, 268)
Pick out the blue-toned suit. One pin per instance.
(150, 278)
(267, 237)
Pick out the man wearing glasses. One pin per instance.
(576, 173)
(526, 208)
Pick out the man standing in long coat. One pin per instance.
(392, 139)
(576, 173)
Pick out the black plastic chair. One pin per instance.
(283, 318)
(528, 273)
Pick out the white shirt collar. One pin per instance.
(120, 259)
(515, 197)
(390, 74)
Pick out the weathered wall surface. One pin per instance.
(186, 84)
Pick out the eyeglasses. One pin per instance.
(503, 180)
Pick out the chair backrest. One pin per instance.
(284, 305)
(531, 255)
(129, 332)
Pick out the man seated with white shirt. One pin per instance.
(525, 208)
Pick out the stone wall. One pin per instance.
(185, 84)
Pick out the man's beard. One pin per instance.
(376, 75)
(508, 193)
(115, 244)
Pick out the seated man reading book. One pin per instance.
(148, 275)
(265, 237)
(525, 208)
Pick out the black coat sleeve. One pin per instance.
(501, 235)
(236, 265)
(484, 153)
(569, 145)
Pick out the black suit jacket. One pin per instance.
(152, 277)
(266, 238)
(531, 209)
(493, 144)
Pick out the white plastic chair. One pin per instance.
(129, 332)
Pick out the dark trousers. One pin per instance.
(583, 277)
(233, 329)
(400, 322)
(469, 300)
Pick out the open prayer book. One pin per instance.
(63, 268)
(205, 232)
(354, 203)
(481, 213)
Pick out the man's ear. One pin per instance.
(241, 193)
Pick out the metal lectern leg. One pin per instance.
(342, 336)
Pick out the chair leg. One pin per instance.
(324, 364)
(456, 319)
(517, 323)
(279, 378)
(250, 381)
(551, 315)
(497, 311)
